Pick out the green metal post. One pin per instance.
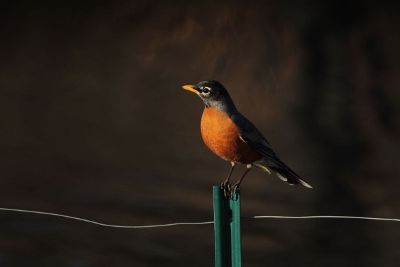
(236, 256)
(221, 229)
(227, 229)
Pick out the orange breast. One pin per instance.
(221, 135)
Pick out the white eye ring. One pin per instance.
(205, 90)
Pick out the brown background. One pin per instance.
(94, 124)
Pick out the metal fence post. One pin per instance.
(236, 256)
(227, 229)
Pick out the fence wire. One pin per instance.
(197, 223)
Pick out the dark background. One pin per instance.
(94, 124)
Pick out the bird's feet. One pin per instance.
(230, 190)
(235, 190)
(226, 187)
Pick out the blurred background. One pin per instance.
(94, 124)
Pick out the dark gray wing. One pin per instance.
(252, 136)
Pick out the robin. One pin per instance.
(231, 136)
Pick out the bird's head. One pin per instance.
(213, 94)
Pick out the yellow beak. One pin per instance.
(190, 88)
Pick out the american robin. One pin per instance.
(231, 136)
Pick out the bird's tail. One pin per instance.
(282, 171)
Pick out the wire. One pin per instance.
(325, 217)
(106, 224)
(196, 223)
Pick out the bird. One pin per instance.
(234, 138)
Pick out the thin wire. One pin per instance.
(196, 223)
(325, 217)
(106, 224)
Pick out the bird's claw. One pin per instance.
(235, 190)
(230, 190)
(226, 187)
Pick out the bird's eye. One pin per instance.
(206, 91)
